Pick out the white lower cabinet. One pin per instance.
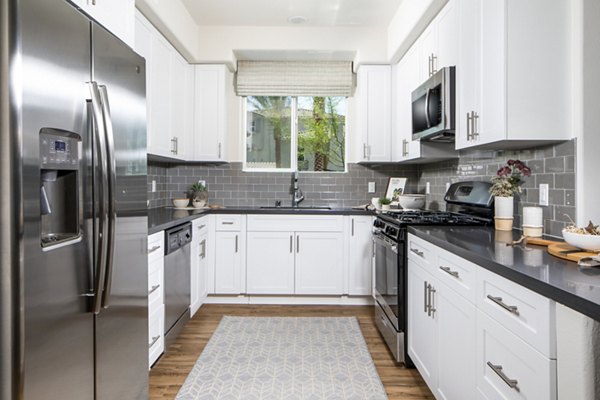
(508, 368)
(270, 263)
(199, 263)
(156, 306)
(319, 263)
(497, 343)
(230, 254)
(360, 255)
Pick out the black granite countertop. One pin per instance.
(530, 266)
(162, 218)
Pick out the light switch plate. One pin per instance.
(543, 194)
(371, 187)
(153, 186)
(202, 182)
(427, 188)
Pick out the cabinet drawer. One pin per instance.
(508, 368)
(156, 341)
(156, 246)
(295, 223)
(421, 252)
(458, 273)
(228, 222)
(520, 310)
(155, 288)
(200, 225)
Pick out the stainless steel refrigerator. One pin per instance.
(73, 289)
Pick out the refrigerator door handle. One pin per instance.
(112, 178)
(101, 243)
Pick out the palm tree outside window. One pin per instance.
(288, 133)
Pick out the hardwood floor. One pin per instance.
(169, 373)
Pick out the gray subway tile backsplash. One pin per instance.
(229, 185)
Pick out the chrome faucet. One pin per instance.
(297, 195)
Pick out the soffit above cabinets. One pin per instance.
(319, 13)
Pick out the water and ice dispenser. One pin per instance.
(59, 186)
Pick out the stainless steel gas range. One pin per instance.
(467, 203)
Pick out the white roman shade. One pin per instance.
(294, 78)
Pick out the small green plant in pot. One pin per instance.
(385, 202)
(198, 194)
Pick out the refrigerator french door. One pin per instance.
(82, 296)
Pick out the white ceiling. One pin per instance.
(320, 13)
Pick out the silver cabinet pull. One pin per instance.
(174, 145)
(498, 300)
(468, 127)
(227, 223)
(236, 243)
(512, 383)
(203, 252)
(153, 249)
(404, 148)
(298, 244)
(425, 298)
(154, 288)
(352, 226)
(475, 125)
(472, 132)
(449, 271)
(433, 59)
(365, 151)
(428, 65)
(417, 252)
(291, 243)
(219, 150)
(201, 227)
(430, 292)
(154, 340)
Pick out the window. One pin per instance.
(288, 133)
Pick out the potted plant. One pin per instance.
(198, 194)
(384, 202)
(505, 185)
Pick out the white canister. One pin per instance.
(533, 216)
(503, 207)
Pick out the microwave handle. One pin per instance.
(427, 109)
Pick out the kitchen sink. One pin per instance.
(295, 208)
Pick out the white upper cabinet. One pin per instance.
(115, 15)
(513, 73)
(374, 119)
(437, 47)
(211, 86)
(182, 107)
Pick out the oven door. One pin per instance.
(386, 276)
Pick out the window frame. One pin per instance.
(294, 140)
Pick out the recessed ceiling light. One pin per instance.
(297, 20)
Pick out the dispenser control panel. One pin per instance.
(59, 152)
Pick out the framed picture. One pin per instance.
(395, 188)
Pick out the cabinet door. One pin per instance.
(456, 326)
(375, 112)
(209, 115)
(270, 263)
(360, 255)
(447, 36)
(228, 263)
(421, 329)
(117, 16)
(468, 71)
(428, 45)
(408, 78)
(181, 89)
(319, 262)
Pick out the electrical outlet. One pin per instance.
(153, 186)
(543, 194)
(371, 187)
(202, 182)
(427, 188)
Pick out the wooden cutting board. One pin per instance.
(561, 249)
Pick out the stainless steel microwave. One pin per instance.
(433, 107)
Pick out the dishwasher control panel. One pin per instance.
(177, 237)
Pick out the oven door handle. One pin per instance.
(386, 243)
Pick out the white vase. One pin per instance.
(385, 207)
(503, 207)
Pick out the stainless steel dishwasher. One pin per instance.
(177, 280)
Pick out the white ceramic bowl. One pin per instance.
(180, 203)
(411, 201)
(586, 242)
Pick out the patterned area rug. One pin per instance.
(284, 358)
